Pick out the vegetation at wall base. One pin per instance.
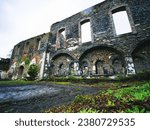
(130, 94)
(17, 82)
(133, 99)
(33, 71)
(142, 76)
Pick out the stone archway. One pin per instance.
(141, 64)
(20, 72)
(141, 57)
(71, 68)
(118, 67)
(99, 67)
(61, 64)
(61, 69)
(84, 67)
(103, 61)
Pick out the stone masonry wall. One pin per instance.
(62, 52)
(104, 35)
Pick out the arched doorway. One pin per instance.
(118, 66)
(61, 69)
(141, 64)
(61, 64)
(71, 68)
(141, 57)
(20, 72)
(99, 67)
(102, 61)
(85, 68)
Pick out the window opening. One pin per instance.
(121, 21)
(85, 31)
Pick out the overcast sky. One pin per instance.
(22, 19)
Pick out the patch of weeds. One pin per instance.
(135, 109)
(63, 83)
(79, 98)
(109, 91)
(89, 110)
(139, 96)
(84, 99)
(134, 98)
(110, 103)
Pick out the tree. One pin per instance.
(33, 71)
(10, 53)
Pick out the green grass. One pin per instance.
(132, 99)
(16, 82)
(116, 97)
(62, 83)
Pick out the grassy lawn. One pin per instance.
(16, 82)
(126, 97)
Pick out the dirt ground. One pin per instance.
(37, 98)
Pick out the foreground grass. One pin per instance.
(134, 98)
(115, 97)
(16, 82)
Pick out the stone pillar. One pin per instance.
(42, 66)
(76, 68)
(129, 65)
(94, 69)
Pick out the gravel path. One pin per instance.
(36, 98)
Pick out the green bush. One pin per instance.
(27, 61)
(33, 71)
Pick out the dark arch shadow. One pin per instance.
(101, 47)
(62, 54)
(20, 71)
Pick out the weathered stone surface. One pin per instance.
(107, 53)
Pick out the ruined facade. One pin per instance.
(25, 53)
(104, 52)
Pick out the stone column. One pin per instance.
(42, 66)
(94, 69)
(76, 68)
(129, 65)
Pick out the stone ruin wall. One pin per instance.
(107, 53)
(25, 53)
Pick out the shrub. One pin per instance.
(27, 61)
(33, 71)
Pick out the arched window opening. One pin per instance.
(85, 31)
(20, 72)
(85, 68)
(37, 44)
(117, 67)
(61, 38)
(26, 48)
(140, 64)
(99, 67)
(141, 57)
(121, 21)
(61, 69)
(71, 68)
